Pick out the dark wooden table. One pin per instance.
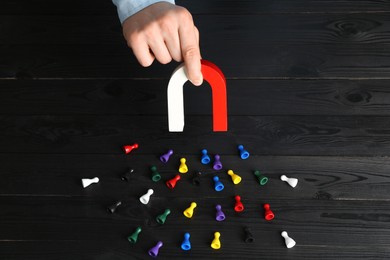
(308, 95)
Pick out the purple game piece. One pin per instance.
(154, 250)
(220, 216)
(165, 157)
(217, 163)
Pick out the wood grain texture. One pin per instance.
(148, 97)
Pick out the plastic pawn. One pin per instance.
(238, 207)
(165, 157)
(186, 244)
(134, 236)
(248, 235)
(268, 215)
(291, 181)
(218, 186)
(155, 174)
(219, 216)
(153, 252)
(205, 157)
(189, 212)
(216, 243)
(129, 148)
(217, 163)
(196, 178)
(261, 178)
(243, 153)
(113, 207)
(163, 217)
(235, 178)
(146, 197)
(183, 166)
(87, 182)
(290, 243)
(172, 182)
(127, 175)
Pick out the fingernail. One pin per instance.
(197, 82)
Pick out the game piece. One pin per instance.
(87, 182)
(165, 157)
(153, 252)
(269, 215)
(243, 153)
(238, 207)
(186, 244)
(134, 237)
(161, 218)
(291, 181)
(288, 240)
(183, 166)
(127, 175)
(190, 211)
(114, 206)
(248, 235)
(172, 182)
(217, 163)
(155, 174)
(218, 186)
(146, 197)
(214, 76)
(196, 178)
(205, 157)
(261, 178)
(129, 148)
(216, 243)
(219, 216)
(235, 178)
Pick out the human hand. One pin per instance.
(164, 31)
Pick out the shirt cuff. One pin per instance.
(127, 8)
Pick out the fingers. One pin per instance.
(142, 53)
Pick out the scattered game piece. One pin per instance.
(235, 178)
(219, 216)
(153, 252)
(291, 181)
(196, 178)
(238, 207)
(269, 215)
(165, 157)
(217, 163)
(216, 243)
(186, 244)
(288, 240)
(146, 197)
(261, 178)
(183, 167)
(190, 211)
(155, 174)
(87, 182)
(127, 175)
(134, 237)
(114, 206)
(172, 182)
(161, 218)
(248, 235)
(243, 153)
(218, 186)
(205, 157)
(129, 148)
(214, 76)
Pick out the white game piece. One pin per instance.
(145, 198)
(289, 241)
(87, 182)
(291, 181)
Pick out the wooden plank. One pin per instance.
(91, 7)
(271, 61)
(361, 28)
(264, 135)
(324, 178)
(148, 97)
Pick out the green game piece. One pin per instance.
(133, 237)
(155, 175)
(261, 178)
(161, 218)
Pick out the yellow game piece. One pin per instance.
(190, 211)
(216, 244)
(235, 178)
(183, 167)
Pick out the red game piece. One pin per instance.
(129, 148)
(172, 182)
(238, 207)
(269, 215)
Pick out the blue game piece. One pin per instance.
(186, 245)
(205, 158)
(218, 186)
(244, 154)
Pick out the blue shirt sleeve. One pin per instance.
(127, 8)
